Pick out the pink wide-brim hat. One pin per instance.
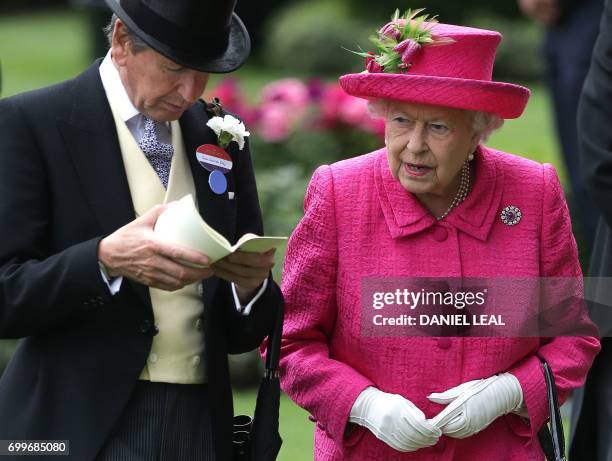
(456, 74)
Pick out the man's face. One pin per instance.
(158, 87)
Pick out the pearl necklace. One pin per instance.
(464, 188)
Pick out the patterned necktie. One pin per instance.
(158, 153)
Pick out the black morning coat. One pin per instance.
(62, 188)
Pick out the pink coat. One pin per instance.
(358, 222)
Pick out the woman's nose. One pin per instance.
(416, 142)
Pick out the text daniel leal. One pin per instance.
(440, 319)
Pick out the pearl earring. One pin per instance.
(470, 157)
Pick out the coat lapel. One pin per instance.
(213, 208)
(91, 141)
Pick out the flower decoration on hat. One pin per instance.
(228, 129)
(399, 42)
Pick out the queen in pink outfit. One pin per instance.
(435, 202)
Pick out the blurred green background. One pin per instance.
(303, 40)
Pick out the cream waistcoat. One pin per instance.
(177, 352)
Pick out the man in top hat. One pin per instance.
(124, 343)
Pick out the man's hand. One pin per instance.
(543, 11)
(134, 251)
(246, 270)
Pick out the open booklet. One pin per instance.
(181, 223)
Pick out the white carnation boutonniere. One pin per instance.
(228, 129)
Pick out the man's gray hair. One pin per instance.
(136, 43)
(484, 123)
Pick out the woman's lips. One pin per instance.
(416, 170)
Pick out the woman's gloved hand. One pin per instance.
(473, 405)
(394, 420)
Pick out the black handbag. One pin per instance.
(257, 439)
(552, 440)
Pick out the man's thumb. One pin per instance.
(151, 216)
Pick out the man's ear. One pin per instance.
(120, 43)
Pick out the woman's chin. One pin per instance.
(416, 186)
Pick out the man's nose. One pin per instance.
(192, 85)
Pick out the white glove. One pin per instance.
(394, 420)
(473, 405)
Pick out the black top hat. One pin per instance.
(204, 35)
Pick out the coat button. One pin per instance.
(196, 361)
(440, 234)
(153, 357)
(145, 326)
(199, 325)
(200, 288)
(148, 328)
(444, 343)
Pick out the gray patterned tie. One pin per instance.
(158, 153)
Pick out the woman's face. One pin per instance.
(427, 145)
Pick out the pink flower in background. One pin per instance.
(289, 91)
(274, 123)
(340, 109)
(337, 107)
(283, 103)
(374, 126)
(331, 100)
(229, 94)
(231, 99)
(316, 89)
(289, 104)
(353, 111)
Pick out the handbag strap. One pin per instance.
(556, 423)
(274, 342)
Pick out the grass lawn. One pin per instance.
(40, 49)
(295, 428)
(45, 48)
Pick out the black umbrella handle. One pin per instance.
(274, 342)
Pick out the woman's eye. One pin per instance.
(438, 128)
(401, 120)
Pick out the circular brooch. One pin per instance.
(511, 215)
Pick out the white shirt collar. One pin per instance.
(115, 91)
